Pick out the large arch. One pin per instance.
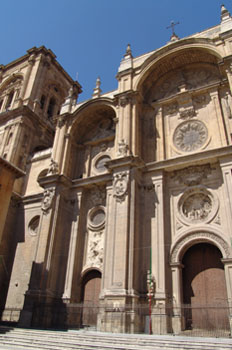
(92, 131)
(166, 54)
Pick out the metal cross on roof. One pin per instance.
(173, 27)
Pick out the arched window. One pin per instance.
(42, 101)
(10, 99)
(9, 138)
(51, 107)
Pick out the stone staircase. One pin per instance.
(26, 339)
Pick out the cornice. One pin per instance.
(208, 156)
(12, 168)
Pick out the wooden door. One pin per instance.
(91, 291)
(204, 288)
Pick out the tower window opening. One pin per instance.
(51, 107)
(42, 101)
(10, 99)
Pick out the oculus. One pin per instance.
(96, 218)
(34, 225)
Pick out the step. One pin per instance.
(19, 338)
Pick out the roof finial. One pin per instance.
(97, 90)
(128, 53)
(174, 37)
(225, 15)
(226, 20)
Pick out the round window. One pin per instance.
(96, 218)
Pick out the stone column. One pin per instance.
(226, 168)
(229, 75)
(72, 249)
(118, 287)
(228, 276)
(117, 235)
(37, 291)
(159, 317)
(31, 62)
(219, 117)
(177, 318)
(160, 151)
(58, 145)
(125, 132)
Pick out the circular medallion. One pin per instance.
(190, 136)
(197, 205)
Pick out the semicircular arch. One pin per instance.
(176, 55)
(199, 235)
(10, 79)
(89, 116)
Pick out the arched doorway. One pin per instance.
(204, 288)
(91, 286)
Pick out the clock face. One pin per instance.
(190, 136)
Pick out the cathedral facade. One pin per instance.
(121, 204)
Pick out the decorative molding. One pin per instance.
(120, 186)
(199, 237)
(178, 225)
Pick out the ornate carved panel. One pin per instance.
(192, 175)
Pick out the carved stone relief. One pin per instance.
(95, 250)
(187, 113)
(99, 163)
(197, 205)
(122, 148)
(96, 225)
(226, 104)
(192, 175)
(191, 78)
(53, 168)
(97, 196)
(120, 186)
(190, 136)
(171, 108)
(48, 197)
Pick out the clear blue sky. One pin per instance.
(89, 37)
